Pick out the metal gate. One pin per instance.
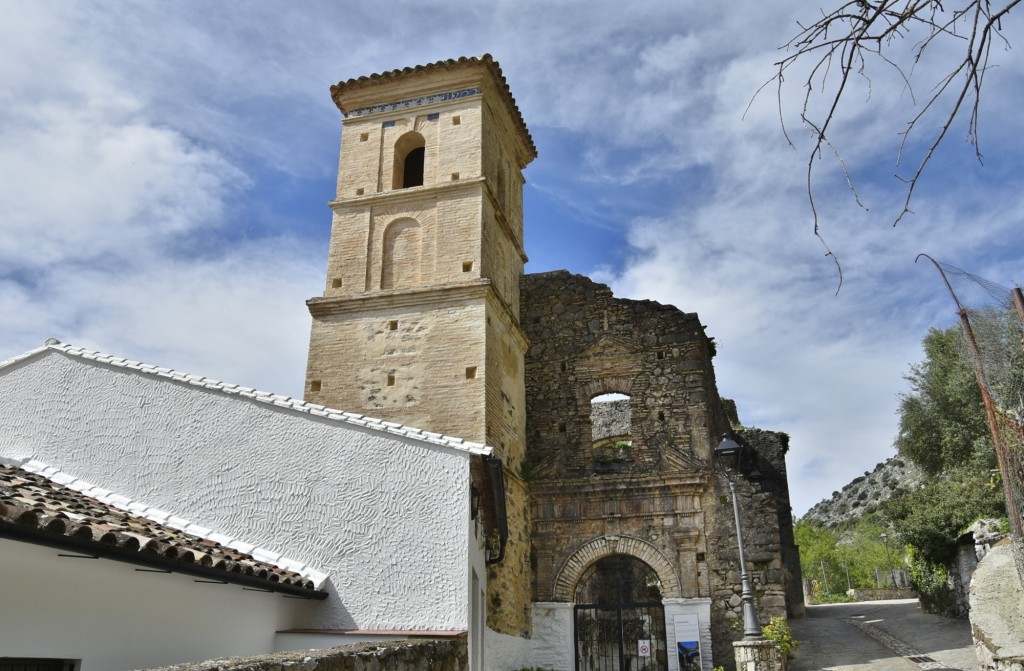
(620, 637)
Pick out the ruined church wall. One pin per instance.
(651, 499)
(771, 448)
(661, 499)
(583, 343)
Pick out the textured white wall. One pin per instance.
(113, 617)
(383, 515)
(503, 652)
(553, 636)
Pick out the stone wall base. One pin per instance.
(503, 652)
(997, 612)
(881, 594)
(392, 656)
(758, 655)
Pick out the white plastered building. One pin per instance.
(377, 515)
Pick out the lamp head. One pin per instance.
(728, 454)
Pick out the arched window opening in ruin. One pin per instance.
(618, 579)
(410, 154)
(611, 430)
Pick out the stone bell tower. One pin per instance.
(419, 321)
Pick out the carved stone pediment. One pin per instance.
(607, 346)
(608, 365)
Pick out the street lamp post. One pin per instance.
(729, 454)
(892, 573)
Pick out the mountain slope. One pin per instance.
(866, 492)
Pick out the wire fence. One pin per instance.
(992, 317)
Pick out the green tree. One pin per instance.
(931, 518)
(847, 556)
(942, 419)
(862, 551)
(819, 558)
(944, 430)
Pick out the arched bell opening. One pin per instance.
(410, 153)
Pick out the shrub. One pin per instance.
(931, 581)
(778, 630)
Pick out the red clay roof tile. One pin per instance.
(36, 509)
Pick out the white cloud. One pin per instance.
(84, 185)
(239, 317)
(105, 210)
(137, 143)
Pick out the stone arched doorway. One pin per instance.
(572, 570)
(618, 617)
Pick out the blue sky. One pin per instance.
(167, 167)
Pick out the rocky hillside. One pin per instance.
(864, 494)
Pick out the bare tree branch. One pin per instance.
(845, 40)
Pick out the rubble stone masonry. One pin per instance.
(653, 492)
(429, 655)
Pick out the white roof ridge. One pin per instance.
(154, 514)
(27, 355)
(265, 397)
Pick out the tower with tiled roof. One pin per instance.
(419, 320)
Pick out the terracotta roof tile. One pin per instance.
(43, 505)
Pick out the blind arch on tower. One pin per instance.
(400, 262)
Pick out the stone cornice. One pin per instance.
(694, 483)
(410, 194)
(323, 306)
(420, 101)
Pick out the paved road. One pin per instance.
(880, 636)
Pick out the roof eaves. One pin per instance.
(376, 79)
(244, 571)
